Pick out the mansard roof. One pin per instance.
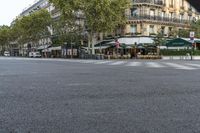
(195, 4)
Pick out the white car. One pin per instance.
(6, 53)
(35, 55)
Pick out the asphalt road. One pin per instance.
(58, 96)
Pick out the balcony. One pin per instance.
(160, 19)
(149, 2)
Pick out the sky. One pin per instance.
(9, 9)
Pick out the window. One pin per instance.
(163, 14)
(152, 13)
(170, 29)
(134, 11)
(162, 30)
(133, 28)
(151, 29)
(181, 3)
(181, 17)
(171, 3)
(171, 15)
(190, 18)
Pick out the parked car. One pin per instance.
(6, 53)
(35, 55)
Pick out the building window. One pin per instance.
(134, 12)
(163, 30)
(151, 29)
(181, 3)
(190, 18)
(171, 3)
(152, 13)
(163, 14)
(133, 28)
(181, 17)
(171, 15)
(170, 30)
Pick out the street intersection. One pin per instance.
(99, 96)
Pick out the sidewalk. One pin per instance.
(180, 57)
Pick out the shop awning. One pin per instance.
(52, 49)
(46, 50)
(179, 42)
(43, 47)
(55, 48)
(101, 47)
(197, 41)
(134, 40)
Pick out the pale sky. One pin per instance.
(9, 9)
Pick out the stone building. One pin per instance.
(148, 17)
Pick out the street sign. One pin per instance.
(192, 34)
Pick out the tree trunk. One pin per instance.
(93, 43)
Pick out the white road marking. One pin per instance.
(88, 61)
(184, 66)
(102, 62)
(118, 63)
(134, 64)
(177, 66)
(194, 65)
(154, 65)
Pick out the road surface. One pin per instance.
(89, 96)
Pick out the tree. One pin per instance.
(173, 33)
(196, 28)
(184, 33)
(101, 16)
(30, 29)
(4, 37)
(64, 33)
(159, 40)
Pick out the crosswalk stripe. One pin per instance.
(88, 61)
(154, 65)
(134, 64)
(103, 62)
(194, 65)
(177, 66)
(118, 63)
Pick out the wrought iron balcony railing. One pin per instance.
(153, 2)
(159, 19)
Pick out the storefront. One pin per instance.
(179, 43)
(53, 52)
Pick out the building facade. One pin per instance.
(148, 17)
(145, 18)
(46, 40)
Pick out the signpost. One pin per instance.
(192, 35)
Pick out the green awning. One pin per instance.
(178, 42)
(197, 41)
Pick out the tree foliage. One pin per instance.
(63, 34)
(101, 16)
(33, 27)
(196, 28)
(184, 33)
(4, 36)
